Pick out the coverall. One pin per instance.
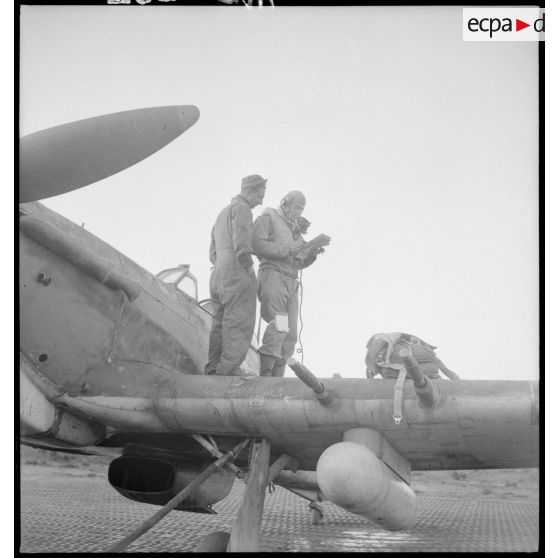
(277, 283)
(233, 286)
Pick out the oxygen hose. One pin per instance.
(301, 348)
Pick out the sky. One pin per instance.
(417, 152)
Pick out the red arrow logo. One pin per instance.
(519, 25)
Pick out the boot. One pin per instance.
(210, 369)
(279, 368)
(266, 364)
(239, 372)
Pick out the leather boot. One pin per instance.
(239, 372)
(210, 369)
(279, 368)
(266, 364)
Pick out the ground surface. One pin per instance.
(68, 506)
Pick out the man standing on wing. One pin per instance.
(233, 282)
(276, 241)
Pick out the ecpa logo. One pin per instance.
(503, 24)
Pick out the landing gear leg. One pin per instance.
(245, 536)
(316, 513)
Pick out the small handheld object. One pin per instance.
(318, 242)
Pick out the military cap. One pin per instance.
(253, 182)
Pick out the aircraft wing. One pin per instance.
(475, 425)
(350, 451)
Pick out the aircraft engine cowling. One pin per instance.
(352, 477)
(158, 480)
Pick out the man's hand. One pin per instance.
(295, 247)
(317, 250)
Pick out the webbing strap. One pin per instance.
(398, 396)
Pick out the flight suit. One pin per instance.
(277, 283)
(233, 287)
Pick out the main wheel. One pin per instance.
(214, 542)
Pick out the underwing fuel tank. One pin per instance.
(351, 476)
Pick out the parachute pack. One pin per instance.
(382, 356)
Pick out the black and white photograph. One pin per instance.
(279, 277)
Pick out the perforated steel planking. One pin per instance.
(63, 513)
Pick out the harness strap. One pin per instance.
(398, 396)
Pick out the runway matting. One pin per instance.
(77, 512)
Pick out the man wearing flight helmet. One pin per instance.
(277, 240)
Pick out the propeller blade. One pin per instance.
(64, 158)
